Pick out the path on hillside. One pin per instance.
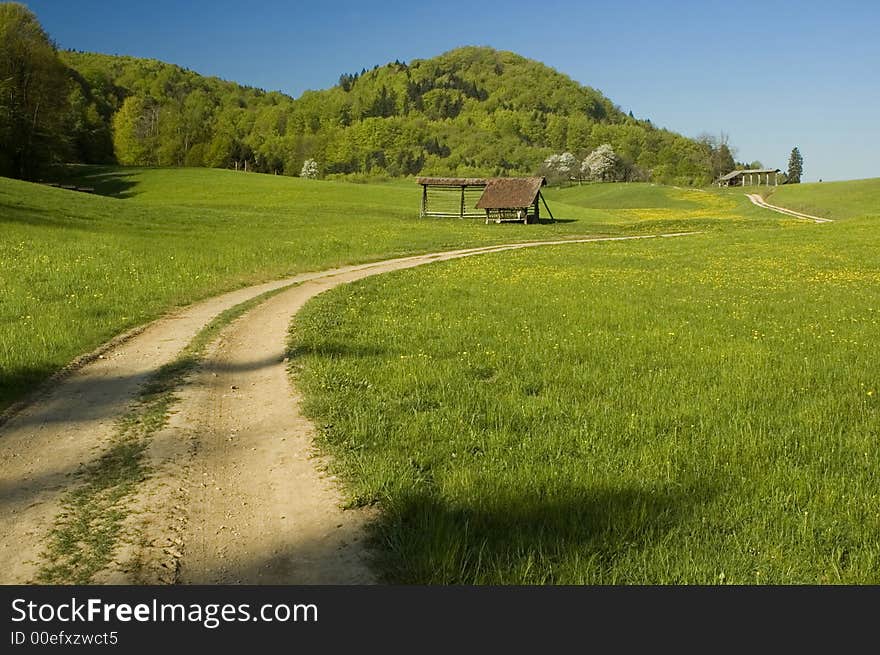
(760, 202)
(234, 495)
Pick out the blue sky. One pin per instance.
(770, 75)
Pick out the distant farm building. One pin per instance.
(499, 199)
(757, 177)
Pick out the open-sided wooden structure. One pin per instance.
(451, 197)
(499, 198)
(513, 199)
(748, 177)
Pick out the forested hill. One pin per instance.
(470, 111)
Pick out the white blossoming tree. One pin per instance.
(601, 165)
(309, 169)
(560, 168)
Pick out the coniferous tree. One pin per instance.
(795, 167)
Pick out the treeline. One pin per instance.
(471, 111)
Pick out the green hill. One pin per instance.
(470, 111)
(836, 200)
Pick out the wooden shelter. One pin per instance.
(750, 177)
(499, 199)
(451, 197)
(513, 199)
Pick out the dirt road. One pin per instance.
(235, 494)
(760, 202)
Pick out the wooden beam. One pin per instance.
(541, 196)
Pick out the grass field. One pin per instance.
(837, 200)
(638, 206)
(696, 410)
(701, 410)
(77, 269)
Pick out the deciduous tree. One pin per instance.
(33, 94)
(136, 131)
(560, 168)
(601, 165)
(309, 169)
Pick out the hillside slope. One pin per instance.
(470, 111)
(836, 200)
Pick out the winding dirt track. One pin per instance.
(235, 495)
(758, 200)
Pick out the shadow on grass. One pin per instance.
(561, 535)
(574, 536)
(550, 221)
(336, 349)
(16, 383)
(107, 181)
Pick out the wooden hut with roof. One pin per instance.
(747, 177)
(499, 199)
(513, 199)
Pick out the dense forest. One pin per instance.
(470, 111)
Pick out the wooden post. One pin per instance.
(541, 196)
(537, 211)
(461, 213)
(424, 206)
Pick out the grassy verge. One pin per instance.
(702, 410)
(87, 532)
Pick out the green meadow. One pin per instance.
(836, 200)
(699, 410)
(78, 268)
(692, 410)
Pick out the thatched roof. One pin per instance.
(452, 181)
(510, 192)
